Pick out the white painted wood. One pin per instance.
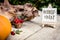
(47, 33)
(49, 16)
(28, 29)
(43, 34)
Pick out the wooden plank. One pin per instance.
(28, 29)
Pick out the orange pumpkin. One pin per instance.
(5, 27)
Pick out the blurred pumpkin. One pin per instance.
(5, 28)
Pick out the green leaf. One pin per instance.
(18, 31)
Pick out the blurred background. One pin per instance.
(37, 3)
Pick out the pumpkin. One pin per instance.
(5, 27)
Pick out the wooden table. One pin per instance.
(34, 31)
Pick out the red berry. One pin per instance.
(21, 21)
(12, 33)
(16, 20)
